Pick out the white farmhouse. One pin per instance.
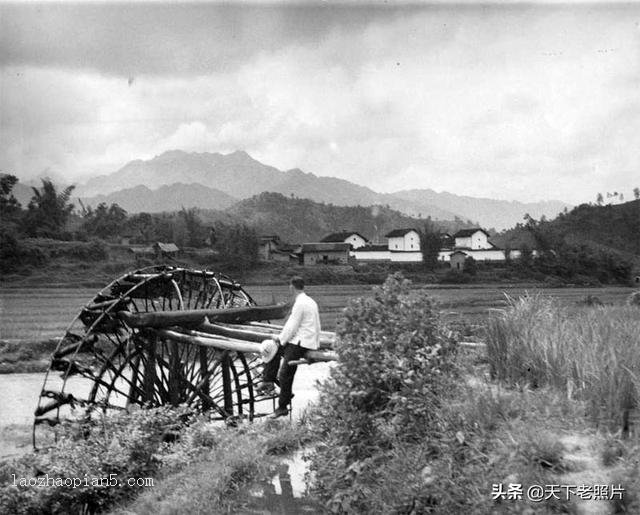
(355, 239)
(472, 239)
(403, 246)
(403, 240)
(473, 243)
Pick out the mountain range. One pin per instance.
(171, 197)
(178, 179)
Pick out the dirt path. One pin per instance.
(582, 453)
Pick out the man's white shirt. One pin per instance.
(303, 324)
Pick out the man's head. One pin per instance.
(297, 283)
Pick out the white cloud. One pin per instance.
(515, 103)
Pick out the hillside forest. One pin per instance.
(589, 244)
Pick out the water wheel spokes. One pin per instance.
(105, 364)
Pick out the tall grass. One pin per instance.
(592, 354)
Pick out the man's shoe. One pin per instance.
(266, 388)
(280, 412)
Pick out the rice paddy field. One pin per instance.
(36, 314)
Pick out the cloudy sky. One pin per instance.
(523, 102)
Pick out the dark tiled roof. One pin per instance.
(398, 232)
(465, 233)
(325, 247)
(339, 237)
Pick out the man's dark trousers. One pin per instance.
(288, 352)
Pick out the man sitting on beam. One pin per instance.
(300, 333)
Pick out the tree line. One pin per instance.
(51, 215)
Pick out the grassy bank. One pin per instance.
(192, 465)
(396, 436)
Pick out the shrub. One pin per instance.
(395, 363)
(15, 256)
(470, 266)
(93, 250)
(125, 445)
(453, 277)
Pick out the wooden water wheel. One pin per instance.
(105, 362)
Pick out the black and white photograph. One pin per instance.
(318, 256)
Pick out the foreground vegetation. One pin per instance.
(192, 465)
(407, 422)
(400, 436)
(590, 354)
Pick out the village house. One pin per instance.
(472, 239)
(403, 246)
(475, 243)
(158, 250)
(403, 240)
(457, 259)
(324, 253)
(270, 248)
(267, 245)
(288, 253)
(355, 239)
(164, 250)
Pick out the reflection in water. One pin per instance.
(278, 497)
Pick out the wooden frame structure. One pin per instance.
(163, 336)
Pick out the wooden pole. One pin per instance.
(174, 373)
(255, 334)
(149, 380)
(225, 363)
(204, 375)
(194, 317)
(220, 342)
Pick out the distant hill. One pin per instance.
(298, 220)
(616, 227)
(166, 198)
(240, 176)
(490, 213)
(236, 174)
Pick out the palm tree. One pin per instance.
(48, 210)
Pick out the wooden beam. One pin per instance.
(256, 333)
(194, 317)
(222, 343)
(205, 340)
